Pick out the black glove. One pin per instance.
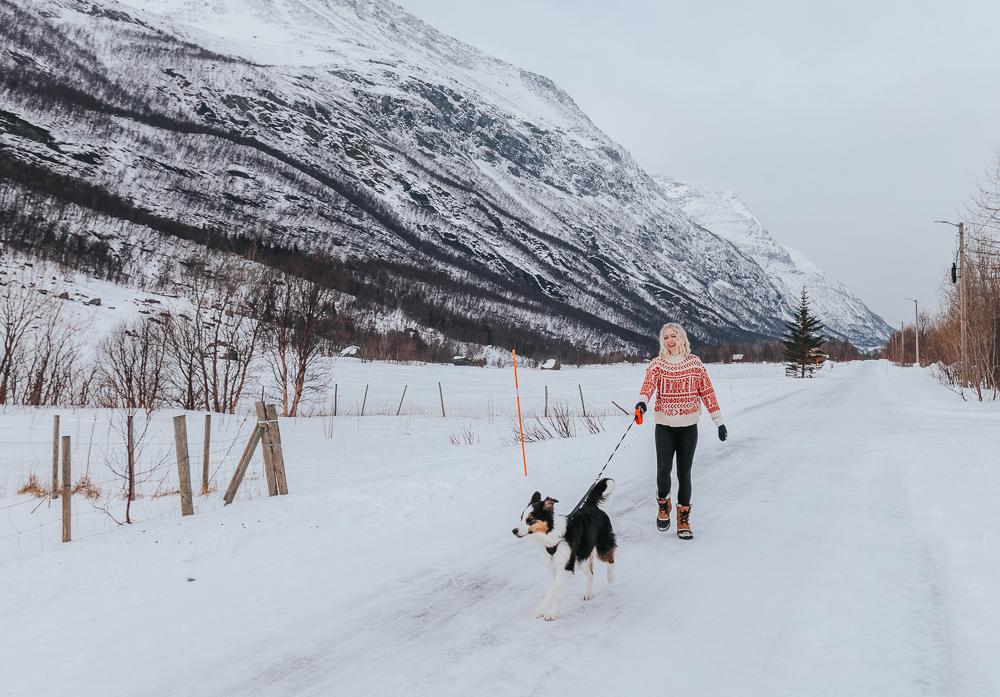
(723, 433)
(641, 406)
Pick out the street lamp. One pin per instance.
(916, 328)
(961, 293)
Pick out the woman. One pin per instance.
(681, 383)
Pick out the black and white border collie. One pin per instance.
(570, 541)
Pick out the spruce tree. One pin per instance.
(802, 341)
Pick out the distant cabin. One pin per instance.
(351, 352)
(817, 357)
(737, 358)
(465, 360)
(551, 364)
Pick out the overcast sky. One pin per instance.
(845, 126)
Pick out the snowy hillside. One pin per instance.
(820, 565)
(724, 214)
(448, 185)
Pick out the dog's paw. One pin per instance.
(587, 596)
(547, 613)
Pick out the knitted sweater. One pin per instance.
(680, 384)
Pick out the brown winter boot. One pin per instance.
(684, 522)
(663, 515)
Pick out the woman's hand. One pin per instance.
(723, 433)
(641, 406)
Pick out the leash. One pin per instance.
(637, 419)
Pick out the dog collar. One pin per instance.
(552, 550)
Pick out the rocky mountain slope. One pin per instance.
(352, 140)
(723, 213)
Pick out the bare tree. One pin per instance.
(233, 337)
(133, 366)
(52, 373)
(980, 372)
(212, 350)
(20, 309)
(186, 346)
(983, 208)
(293, 311)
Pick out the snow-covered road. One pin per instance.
(846, 544)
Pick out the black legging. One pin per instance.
(681, 440)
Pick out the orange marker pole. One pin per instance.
(520, 424)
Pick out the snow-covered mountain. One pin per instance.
(351, 138)
(723, 213)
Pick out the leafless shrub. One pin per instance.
(465, 436)
(947, 375)
(86, 488)
(33, 487)
(593, 423)
(533, 431)
(561, 421)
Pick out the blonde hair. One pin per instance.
(682, 340)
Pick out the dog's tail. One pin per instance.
(600, 491)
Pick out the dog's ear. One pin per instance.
(536, 497)
(550, 503)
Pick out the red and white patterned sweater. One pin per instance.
(680, 384)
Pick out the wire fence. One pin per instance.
(470, 400)
(31, 519)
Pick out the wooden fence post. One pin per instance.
(364, 401)
(582, 405)
(277, 454)
(546, 401)
(265, 442)
(183, 464)
(400, 407)
(334, 399)
(205, 455)
(55, 456)
(67, 491)
(441, 393)
(241, 468)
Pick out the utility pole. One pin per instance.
(961, 302)
(916, 329)
(902, 344)
(961, 299)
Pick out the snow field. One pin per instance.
(845, 544)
